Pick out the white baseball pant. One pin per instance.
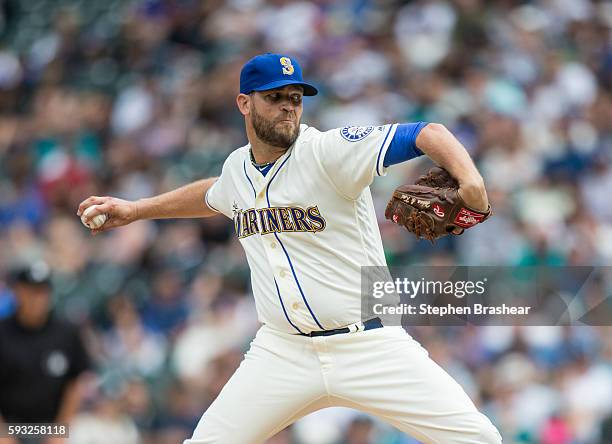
(383, 372)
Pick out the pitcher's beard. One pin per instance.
(270, 133)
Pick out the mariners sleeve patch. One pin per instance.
(355, 133)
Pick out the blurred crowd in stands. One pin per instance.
(133, 98)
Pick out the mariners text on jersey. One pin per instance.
(277, 220)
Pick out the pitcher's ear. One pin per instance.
(244, 103)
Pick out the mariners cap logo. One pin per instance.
(355, 133)
(288, 68)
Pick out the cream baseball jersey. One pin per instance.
(308, 225)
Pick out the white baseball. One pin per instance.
(96, 221)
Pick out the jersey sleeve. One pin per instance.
(352, 156)
(217, 197)
(403, 146)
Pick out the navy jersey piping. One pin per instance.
(381, 149)
(285, 250)
(249, 179)
(283, 307)
(206, 201)
(275, 284)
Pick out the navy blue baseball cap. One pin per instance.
(271, 71)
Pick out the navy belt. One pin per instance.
(370, 324)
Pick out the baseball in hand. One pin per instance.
(95, 222)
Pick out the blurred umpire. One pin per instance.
(42, 358)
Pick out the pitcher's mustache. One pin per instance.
(284, 119)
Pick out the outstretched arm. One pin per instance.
(443, 148)
(184, 202)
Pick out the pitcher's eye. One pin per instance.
(274, 97)
(296, 99)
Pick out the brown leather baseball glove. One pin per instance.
(432, 207)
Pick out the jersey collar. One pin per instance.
(259, 181)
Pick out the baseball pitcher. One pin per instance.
(302, 210)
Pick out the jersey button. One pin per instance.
(283, 273)
(295, 305)
(272, 244)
